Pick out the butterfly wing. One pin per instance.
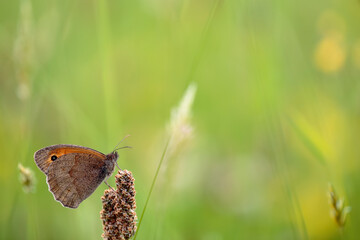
(73, 177)
(43, 156)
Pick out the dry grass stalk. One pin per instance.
(27, 178)
(24, 50)
(338, 210)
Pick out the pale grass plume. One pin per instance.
(33, 44)
(180, 128)
(23, 52)
(27, 178)
(338, 210)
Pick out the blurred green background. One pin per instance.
(275, 117)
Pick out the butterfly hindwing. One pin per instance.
(75, 176)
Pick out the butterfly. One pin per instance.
(74, 172)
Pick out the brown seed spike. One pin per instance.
(118, 214)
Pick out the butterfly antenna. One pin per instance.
(121, 141)
(122, 148)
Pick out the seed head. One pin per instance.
(27, 178)
(118, 214)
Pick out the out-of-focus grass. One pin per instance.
(275, 115)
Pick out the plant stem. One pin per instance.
(152, 186)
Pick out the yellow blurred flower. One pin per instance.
(330, 54)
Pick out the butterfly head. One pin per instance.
(113, 156)
(111, 159)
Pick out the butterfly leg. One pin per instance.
(112, 189)
(109, 186)
(118, 166)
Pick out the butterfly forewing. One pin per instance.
(43, 156)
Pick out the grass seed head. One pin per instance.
(118, 214)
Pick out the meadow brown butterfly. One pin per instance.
(74, 172)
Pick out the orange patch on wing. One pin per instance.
(62, 151)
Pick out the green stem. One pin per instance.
(107, 65)
(203, 41)
(152, 186)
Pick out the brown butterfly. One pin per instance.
(74, 172)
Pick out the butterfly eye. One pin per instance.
(53, 158)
